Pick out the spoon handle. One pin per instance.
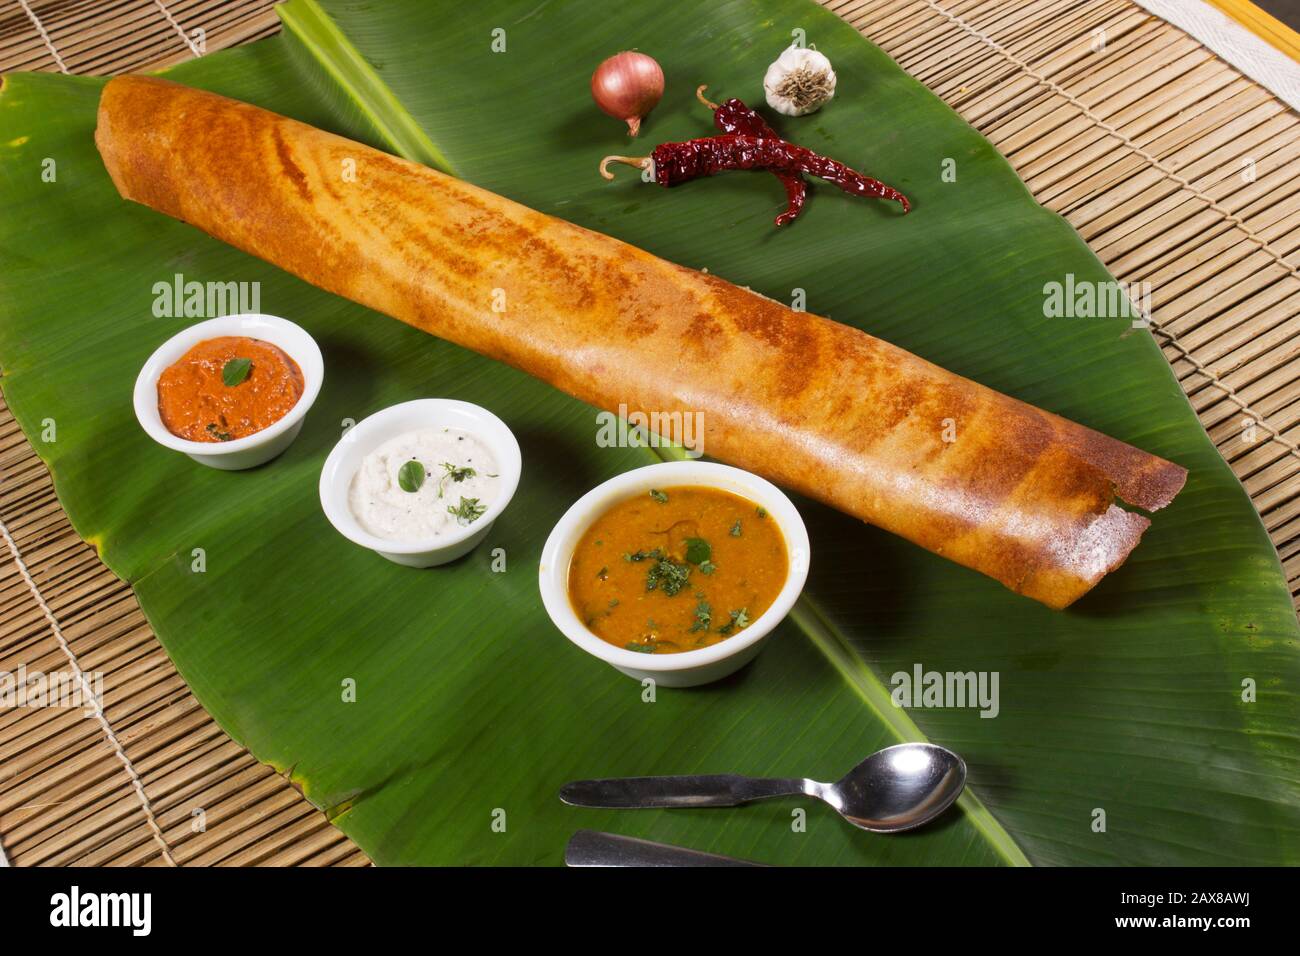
(704, 790)
(591, 848)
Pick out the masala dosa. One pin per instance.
(1021, 495)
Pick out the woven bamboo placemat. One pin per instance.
(1177, 171)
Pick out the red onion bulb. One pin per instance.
(627, 86)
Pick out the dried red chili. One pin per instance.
(748, 142)
(733, 116)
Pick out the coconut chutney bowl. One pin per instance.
(420, 483)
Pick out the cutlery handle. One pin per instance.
(592, 848)
(702, 790)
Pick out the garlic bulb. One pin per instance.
(799, 82)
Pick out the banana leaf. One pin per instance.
(1126, 731)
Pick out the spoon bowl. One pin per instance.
(895, 789)
(898, 788)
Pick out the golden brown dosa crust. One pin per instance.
(1021, 495)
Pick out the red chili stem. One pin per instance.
(641, 162)
(699, 95)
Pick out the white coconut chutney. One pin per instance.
(391, 500)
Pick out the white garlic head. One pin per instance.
(799, 82)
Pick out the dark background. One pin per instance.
(1288, 11)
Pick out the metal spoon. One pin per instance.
(894, 789)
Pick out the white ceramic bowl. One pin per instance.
(687, 668)
(367, 435)
(251, 450)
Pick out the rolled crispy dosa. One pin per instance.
(1021, 495)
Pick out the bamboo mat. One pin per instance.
(155, 781)
(1134, 132)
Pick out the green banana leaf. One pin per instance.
(1125, 731)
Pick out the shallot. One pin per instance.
(627, 86)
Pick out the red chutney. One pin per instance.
(195, 403)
